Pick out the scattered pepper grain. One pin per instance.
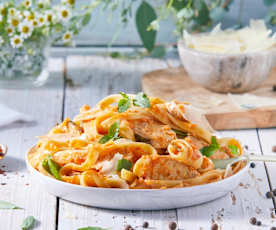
(253, 220)
(172, 225)
(145, 224)
(128, 227)
(258, 223)
(274, 149)
(214, 226)
(269, 195)
(252, 165)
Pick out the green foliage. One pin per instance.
(113, 133)
(144, 16)
(28, 223)
(124, 164)
(269, 2)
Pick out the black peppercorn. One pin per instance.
(128, 227)
(258, 223)
(214, 226)
(252, 165)
(269, 194)
(253, 220)
(172, 226)
(145, 224)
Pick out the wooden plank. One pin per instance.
(222, 113)
(105, 76)
(16, 186)
(235, 209)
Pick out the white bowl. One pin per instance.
(224, 73)
(138, 199)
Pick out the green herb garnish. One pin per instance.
(211, 149)
(124, 164)
(93, 228)
(7, 205)
(51, 167)
(28, 223)
(113, 133)
(234, 149)
(179, 133)
(141, 100)
(124, 103)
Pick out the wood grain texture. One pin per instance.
(174, 83)
(44, 105)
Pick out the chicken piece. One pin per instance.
(159, 135)
(163, 168)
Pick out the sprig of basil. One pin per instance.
(234, 149)
(141, 100)
(113, 133)
(7, 205)
(28, 223)
(211, 149)
(124, 103)
(124, 164)
(179, 133)
(51, 167)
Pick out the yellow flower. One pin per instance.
(3, 10)
(12, 12)
(67, 37)
(26, 29)
(14, 21)
(41, 20)
(34, 23)
(10, 30)
(69, 2)
(16, 41)
(27, 3)
(49, 17)
(65, 13)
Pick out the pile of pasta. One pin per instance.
(136, 142)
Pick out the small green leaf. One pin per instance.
(46, 165)
(124, 164)
(217, 14)
(124, 103)
(115, 54)
(113, 133)
(86, 19)
(208, 150)
(145, 14)
(214, 141)
(203, 12)
(185, 13)
(93, 228)
(158, 52)
(179, 133)
(54, 168)
(269, 2)
(7, 205)
(28, 223)
(234, 149)
(141, 100)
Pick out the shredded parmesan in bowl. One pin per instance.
(256, 37)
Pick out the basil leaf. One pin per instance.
(7, 205)
(93, 228)
(28, 223)
(214, 141)
(54, 168)
(234, 149)
(124, 164)
(113, 133)
(179, 133)
(208, 150)
(45, 164)
(141, 100)
(124, 103)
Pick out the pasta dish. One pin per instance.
(136, 142)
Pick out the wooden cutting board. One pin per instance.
(220, 110)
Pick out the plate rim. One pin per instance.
(34, 171)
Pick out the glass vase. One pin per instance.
(24, 67)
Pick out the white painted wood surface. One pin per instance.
(99, 77)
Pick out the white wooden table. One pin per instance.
(103, 76)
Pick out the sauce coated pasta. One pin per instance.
(134, 142)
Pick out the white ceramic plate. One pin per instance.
(138, 199)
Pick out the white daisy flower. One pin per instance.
(14, 21)
(2, 9)
(12, 12)
(69, 2)
(34, 23)
(41, 20)
(67, 37)
(10, 30)
(27, 3)
(49, 17)
(16, 41)
(26, 29)
(1, 40)
(64, 13)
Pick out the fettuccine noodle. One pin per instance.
(122, 143)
